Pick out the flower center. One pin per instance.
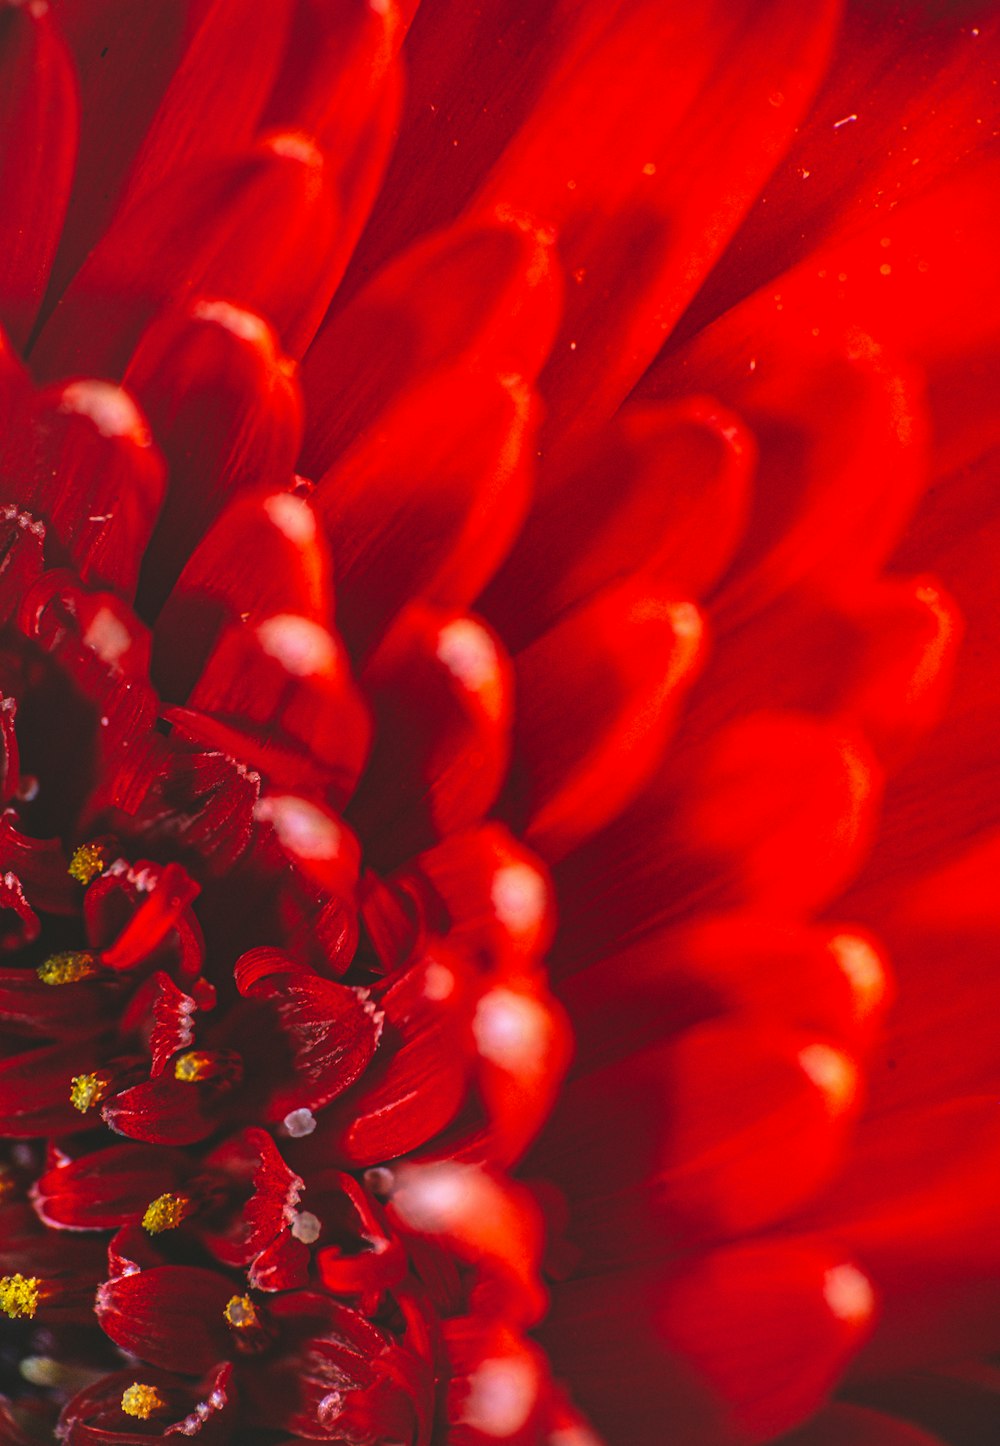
(166, 1212)
(67, 968)
(141, 1401)
(87, 1090)
(19, 1295)
(86, 863)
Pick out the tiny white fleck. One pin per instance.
(299, 1123)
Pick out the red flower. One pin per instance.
(414, 503)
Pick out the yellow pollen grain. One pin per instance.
(19, 1295)
(87, 1090)
(141, 1401)
(165, 1213)
(67, 968)
(86, 863)
(241, 1313)
(193, 1066)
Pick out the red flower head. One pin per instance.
(564, 480)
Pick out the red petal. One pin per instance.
(486, 1220)
(279, 696)
(719, 1133)
(216, 93)
(39, 122)
(172, 1022)
(19, 924)
(94, 1416)
(524, 1041)
(662, 489)
(257, 230)
(596, 697)
(833, 982)
(54, 1011)
(225, 409)
(169, 1315)
(441, 687)
(331, 1031)
(168, 1111)
(125, 57)
(842, 1425)
(744, 1344)
(94, 476)
(105, 1189)
(484, 291)
(40, 865)
(265, 555)
(333, 67)
(485, 892)
(35, 1089)
(170, 894)
(665, 126)
(418, 1080)
(841, 432)
(774, 812)
(442, 469)
(308, 862)
(893, 1210)
(21, 540)
(202, 802)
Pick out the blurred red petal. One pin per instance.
(441, 690)
(225, 409)
(265, 555)
(39, 124)
(279, 696)
(444, 469)
(484, 292)
(663, 489)
(91, 471)
(596, 697)
(257, 230)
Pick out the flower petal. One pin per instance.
(331, 1031)
(444, 468)
(257, 230)
(596, 697)
(225, 410)
(663, 490)
(169, 1315)
(440, 686)
(39, 124)
(484, 291)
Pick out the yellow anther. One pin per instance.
(19, 1295)
(67, 968)
(86, 863)
(87, 1090)
(193, 1066)
(8, 1182)
(223, 1065)
(165, 1213)
(241, 1313)
(141, 1401)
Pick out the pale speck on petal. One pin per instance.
(299, 1123)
